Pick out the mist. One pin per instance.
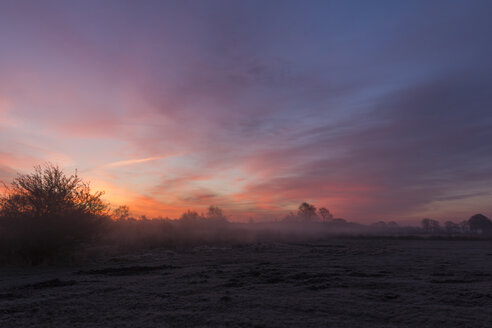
(59, 240)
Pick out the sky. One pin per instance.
(376, 110)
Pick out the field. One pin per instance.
(333, 283)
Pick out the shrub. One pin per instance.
(46, 215)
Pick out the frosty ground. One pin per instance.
(331, 283)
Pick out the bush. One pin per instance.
(47, 215)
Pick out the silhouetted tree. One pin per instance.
(47, 213)
(464, 226)
(121, 213)
(452, 228)
(215, 213)
(48, 191)
(479, 223)
(190, 217)
(325, 214)
(307, 212)
(430, 226)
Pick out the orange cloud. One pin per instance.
(133, 161)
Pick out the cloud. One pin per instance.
(134, 161)
(369, 110)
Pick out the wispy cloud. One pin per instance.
(134, 161)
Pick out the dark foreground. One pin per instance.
(337, 283)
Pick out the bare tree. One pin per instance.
(48, 191)
(307, 212)
(190, 217)
(325, 214)
(215, 213)
(121, 212)
(47, 214)
(430, 226)
(452, 228)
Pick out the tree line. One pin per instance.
(477, 224)
(48, 214)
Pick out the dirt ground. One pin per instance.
(335, 283)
